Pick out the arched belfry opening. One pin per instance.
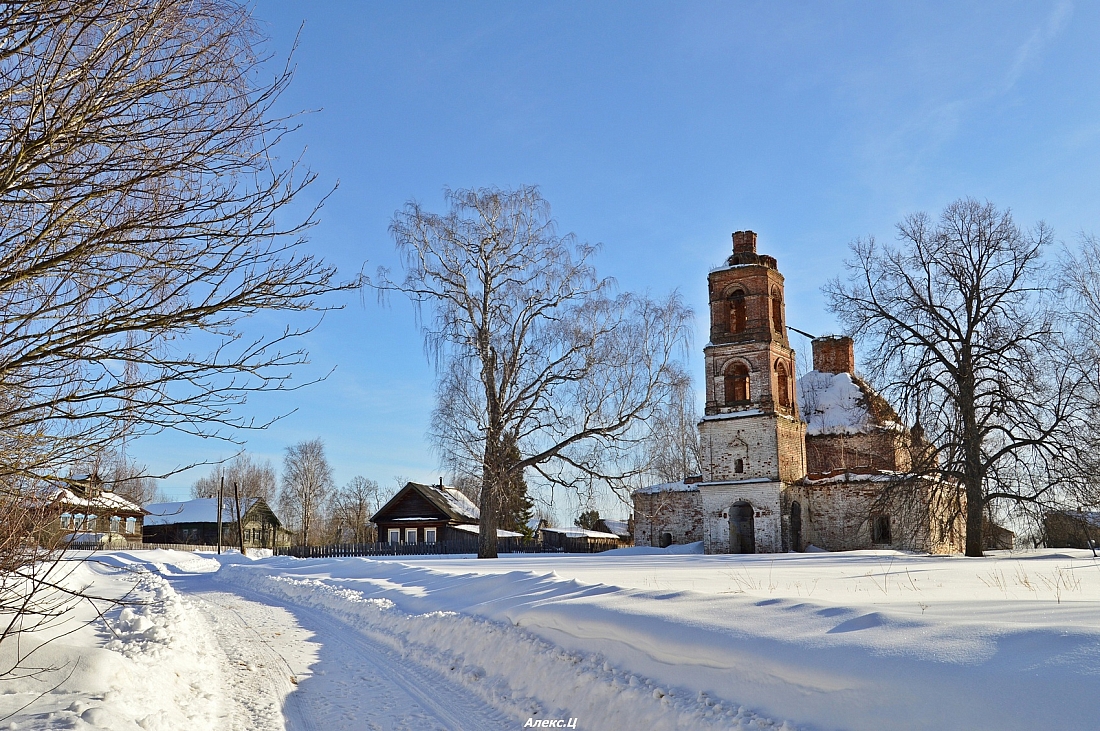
(737, 383)
(777, 310)
(742, 528)
(782, 384)
(737, 312)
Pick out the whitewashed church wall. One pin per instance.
(765, 500)
(752, 439)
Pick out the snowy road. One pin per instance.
(867, 641)
(322, 673)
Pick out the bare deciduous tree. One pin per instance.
(672, 447)
(532, 346)
(352, 508)
(963, 339)
(141, 220)
(254, 479)
(144, 216)
(307, 488)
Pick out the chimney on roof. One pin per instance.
(744, 242)
(834, 354)
(441, 481)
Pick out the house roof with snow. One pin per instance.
(1090, 517)
(201, 510)
(416, 501)
(620, 528)
(575, 532)
(85, 494)
(474, 530)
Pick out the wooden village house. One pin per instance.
(430, 514)
(1071, 529)
(89, 512)
(195, 522)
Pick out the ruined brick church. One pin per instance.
(786, 463)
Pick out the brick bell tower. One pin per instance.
(751, 431)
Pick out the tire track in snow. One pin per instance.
(268, 662)
(356, 684)
(454, 707)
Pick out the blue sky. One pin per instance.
(655, 129)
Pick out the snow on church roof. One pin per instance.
(836, 403)
(680, 486)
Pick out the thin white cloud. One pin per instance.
(1031, 49)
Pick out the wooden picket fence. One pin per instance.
(138, 546)
(335, 550)
(504, 545)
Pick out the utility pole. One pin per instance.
(221, 492)
(240, 531)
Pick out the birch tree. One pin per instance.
(353, 505)
(533, 348)
(145, 215)
(307, 488)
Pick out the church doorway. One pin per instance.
(742, 528)
(796, 527)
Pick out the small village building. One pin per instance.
(621, 529)
(790, 462)
(195, 522)
(430, 514)
(1071, 529)
(573, 539)
(89, 512)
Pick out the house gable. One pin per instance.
(411, 502)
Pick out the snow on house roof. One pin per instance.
(448, 500)
(680, 486)
(575, 532)
(456, 501)
(618, 527)
(501, 533)
(105, 501)
(201, 510)
(1091, 517)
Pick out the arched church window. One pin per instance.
(737, 312)
(737, 383)
(777, 310)
(782, 384)
(738, 465)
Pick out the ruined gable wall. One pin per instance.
(679, 513)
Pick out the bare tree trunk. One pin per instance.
(221, 493)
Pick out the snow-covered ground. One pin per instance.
(635, 639)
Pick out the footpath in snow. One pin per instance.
(625, 640)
